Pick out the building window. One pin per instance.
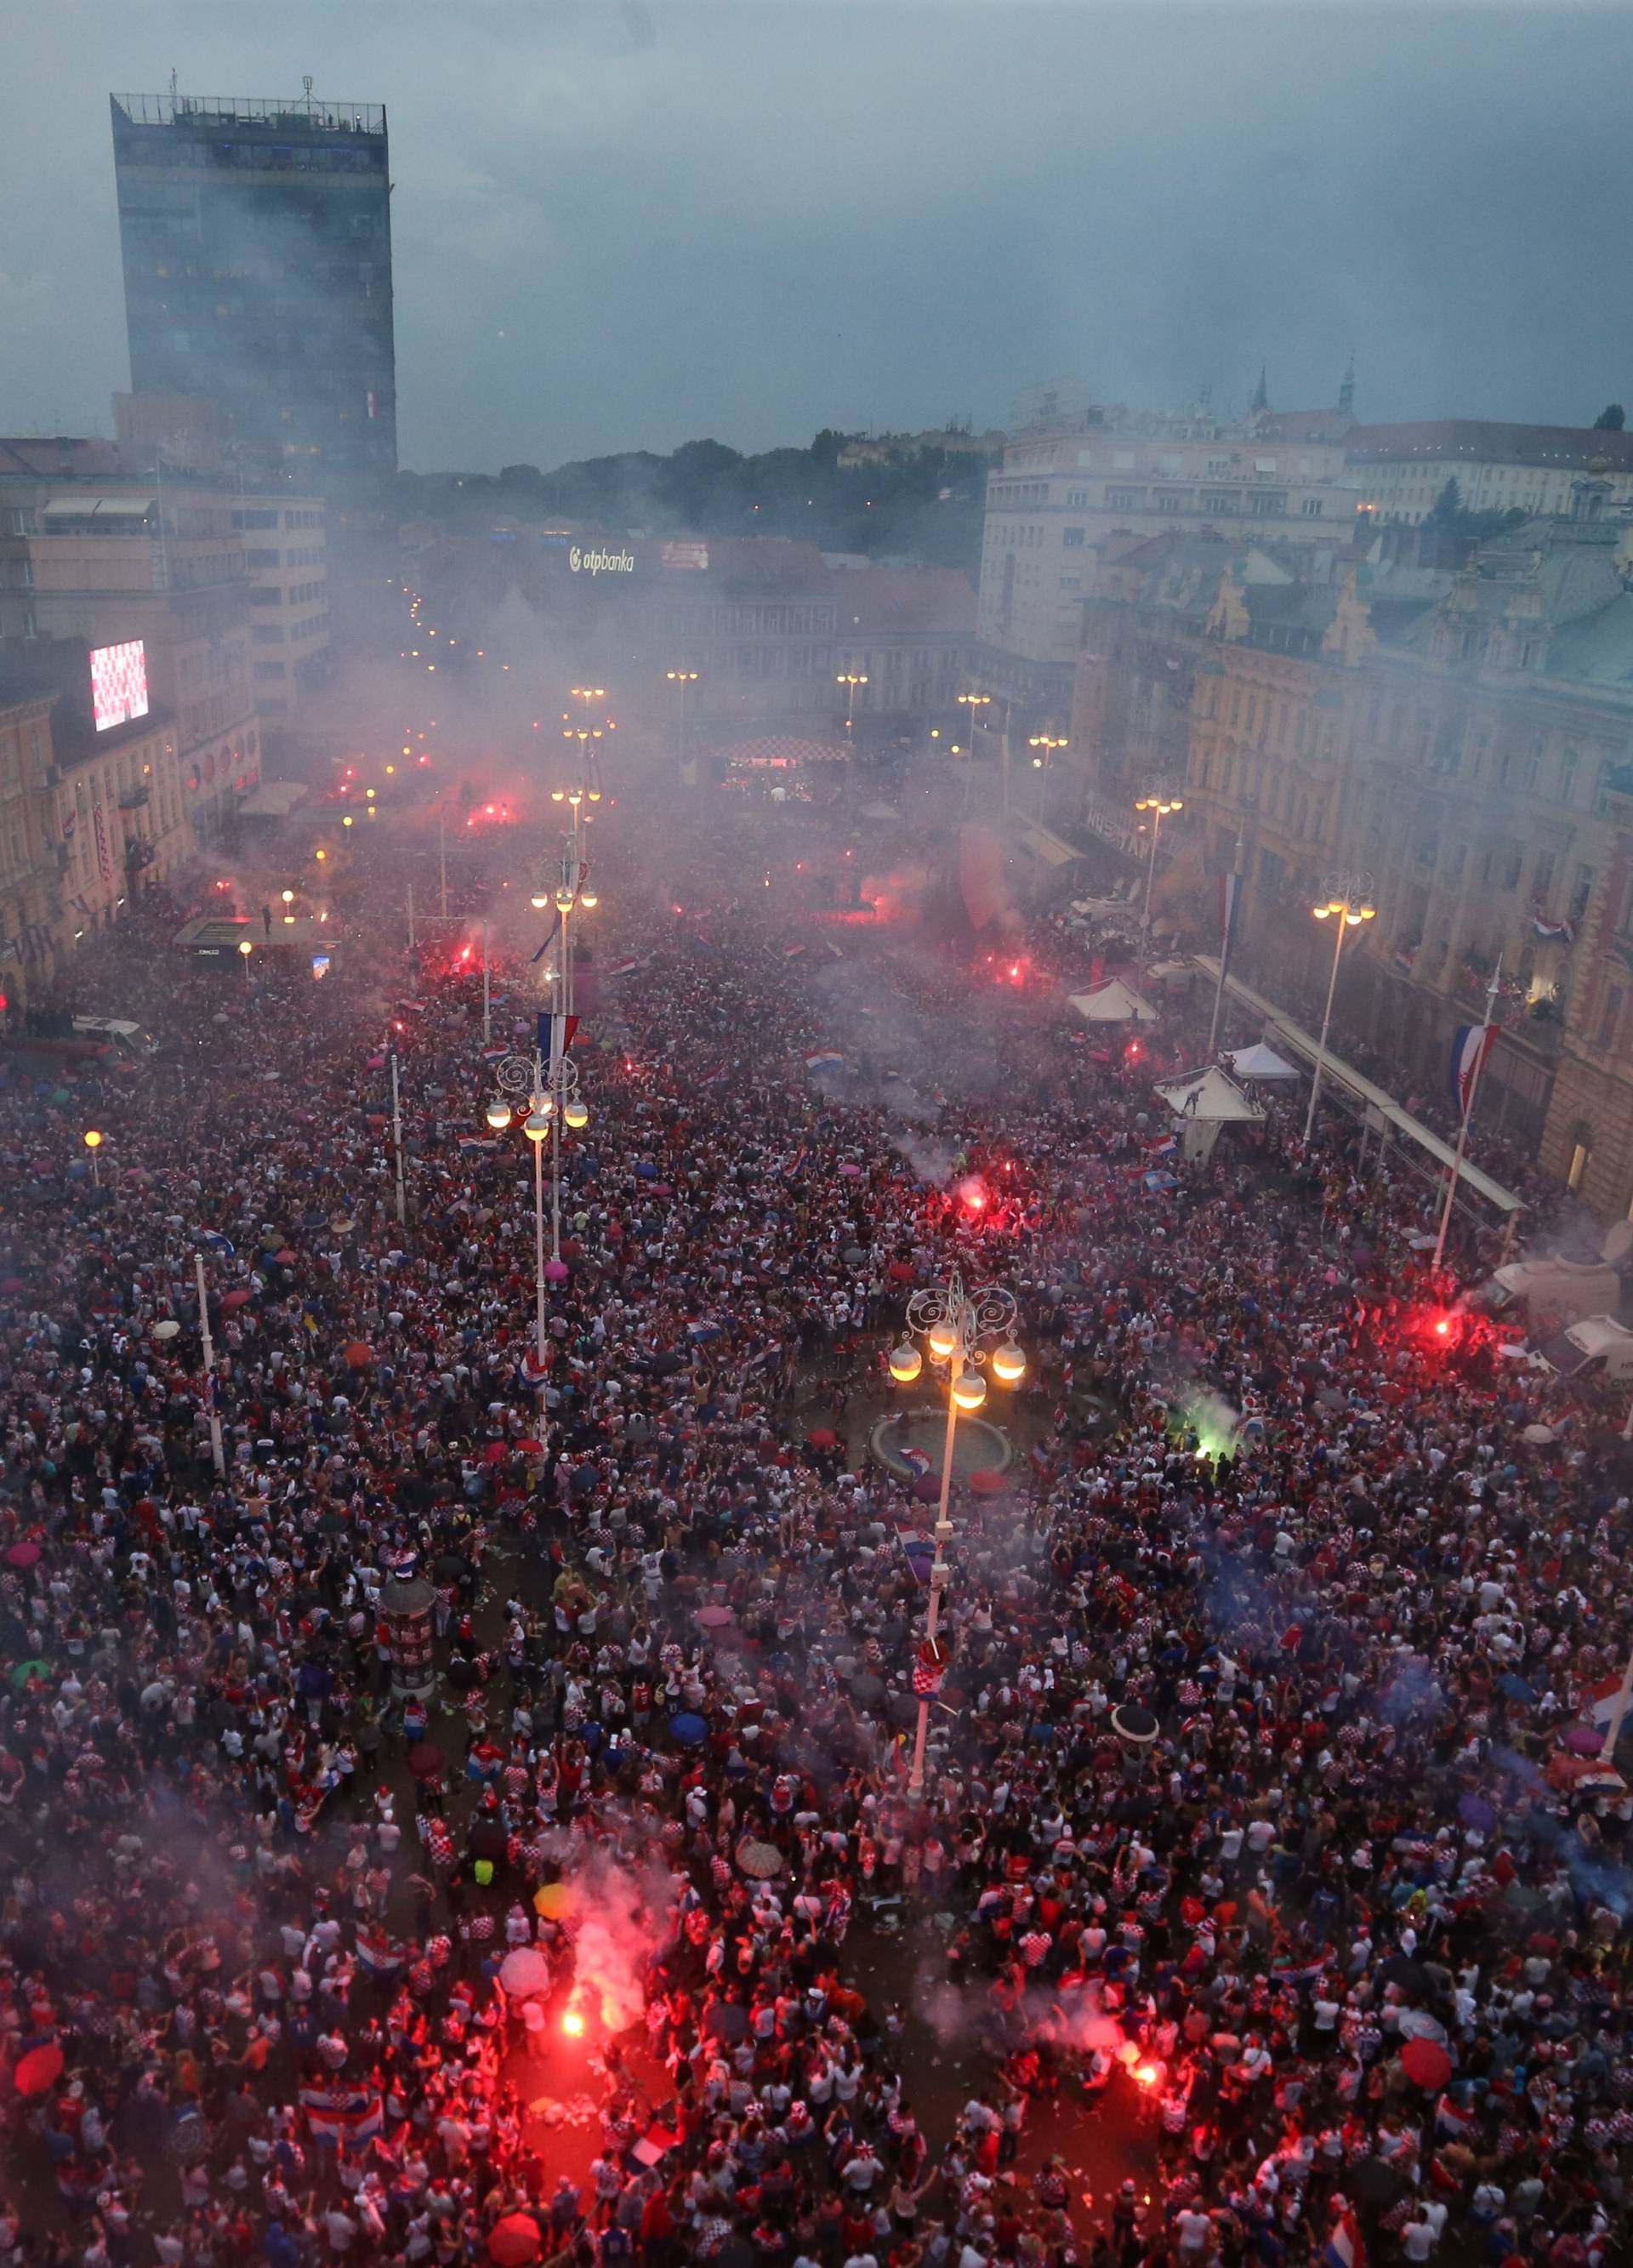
(1576, 1172)
(1071, 538)
(1610, 1019)
(1266, 504)
(1310, 507)
(1123, 499)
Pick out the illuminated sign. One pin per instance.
(118, 683)
(601, 563)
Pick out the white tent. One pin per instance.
(1116, 1003)
(1209, 1098)
(1260, 1063)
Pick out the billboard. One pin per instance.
(118, 683)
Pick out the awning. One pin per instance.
(1209, 1098)
(92, 504)
(1048, 847)
(1116, 1003)
(1348, 1080)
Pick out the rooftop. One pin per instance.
(211, 111)
(1482, 441)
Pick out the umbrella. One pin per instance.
(553, 1900)
(760, 1861)
(821, 1436)
(688, 1728)
(167, 1329)
(37, 2069)
(1582, 1740)
(286, 1258)
(1515, 1688)
(713, 1617)
(1374, 2183)
(867, 1688)
(727, 2020)
(22, 1555)
(854, 1255)
(524, 1971)
(235, 1299)
(902, 1272)
(1134, 1723)
(851, 1173)
(926, 1488)
(1537, 1433)
(985, 1482)
(24, 1670)
(358, 1355)
(488, 1836)
(515, 2241)
(426, 1760)
(1476, 1812)
(1425, 2063)
(531, 1448)
(1410, 1975)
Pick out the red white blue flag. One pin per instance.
(342, 2114)
(1471, 1044)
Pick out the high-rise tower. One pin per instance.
(256, 238)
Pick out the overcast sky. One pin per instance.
(634, 223)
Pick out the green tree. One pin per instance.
(1611, 418)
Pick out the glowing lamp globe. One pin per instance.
(536, 1125)
(589, 895)
(498, 1114)
(1009, 1365)
(539, 900)
(943, 1342)
(577, 1114)
(563, 900)
(905, 1363)
(969, 1389)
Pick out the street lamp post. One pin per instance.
(1159, 805)
(93, 1143)
(955, 1321)
(1347, 902)
(682, 678)
(975, 703)
(1044, 763)
(550, 1089)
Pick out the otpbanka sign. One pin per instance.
(601, 563)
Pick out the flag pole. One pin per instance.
(1462, 1131)
(1231, 899)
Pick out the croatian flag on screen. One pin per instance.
(118, 683)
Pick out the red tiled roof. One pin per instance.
(57, 457)
(886, 601)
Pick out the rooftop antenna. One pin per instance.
(306, 87)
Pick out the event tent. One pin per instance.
(1209, 1098)
(1260, 1062)
(1116, 1003)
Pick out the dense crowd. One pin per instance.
(1247, 1817)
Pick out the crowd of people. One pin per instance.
(1253, 1827)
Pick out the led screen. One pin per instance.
(118, 683)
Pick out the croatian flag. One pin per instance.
(555, 1036)
(1164, 1146)
(623, 967)
(1599, 1702)
(342, 2114)
(1344, 2248)
(534, 1371)
(1471, 1044)
(917, 1460)
(471, 1144)
(823, 1057)
(1563, 932)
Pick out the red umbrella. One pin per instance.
(1582, 1740)
(359, 1355)
(985, 1482)
(822, 1437)
(286, 1258)
(426, 1760)
(713, 1617)
(531, 1448)
(22, 1555)
(515, 2241)
(927, 1488)
(902, 1272)
(39, 2069)
(235, 1299)
(1425, 2063)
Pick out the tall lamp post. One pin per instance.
(1044, 763)
(955, 1321)
(975, 703)
(680, 678)
(550, 1089)
(1347, 902)
(1159, 805)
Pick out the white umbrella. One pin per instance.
(525, 1972)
